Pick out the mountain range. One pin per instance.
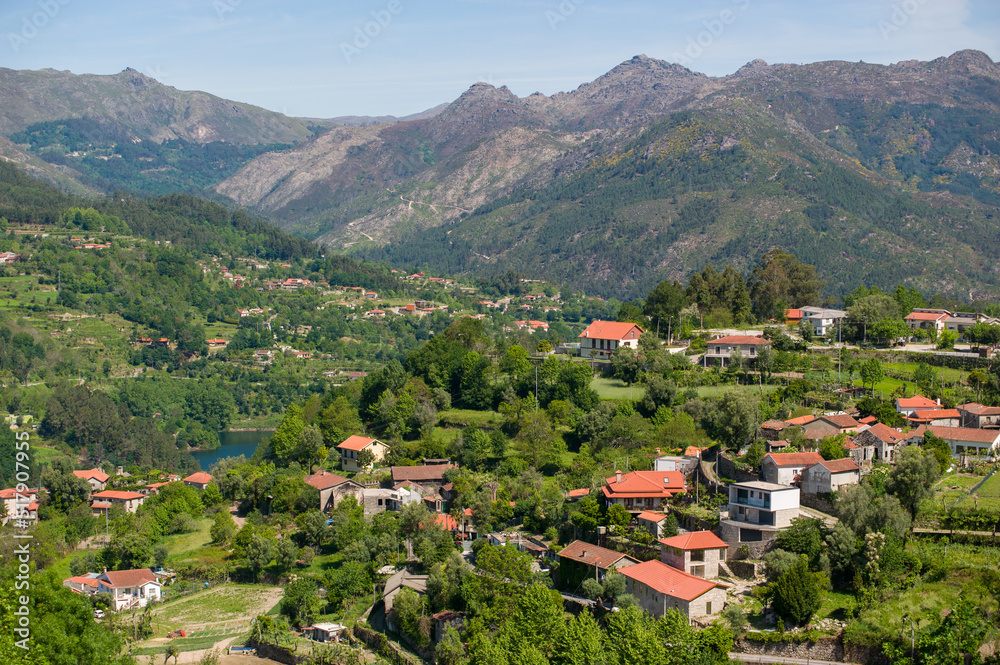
(877, 174)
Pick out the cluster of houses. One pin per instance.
(824, 319)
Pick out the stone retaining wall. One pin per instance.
(824, 649)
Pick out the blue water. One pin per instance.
(234, 444)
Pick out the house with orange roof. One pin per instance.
(793, 317)
(721, 350)
(577, 494)
(127, 501)
(199, 480)
(601, 338)
(580, 560)
(877, 442)
(927, 319)
(351, 448)
(937, 417)
(333, 489)
(651, 521)
(977, 416)
(830, 475)
(908, 405)
(770, 430)
(84, 584)
(783, 468)
(129, 588)
(962, 440)
(836, 424)
(697, 553)
(97, 479)
(18, 506)
(801, 421)
(642, 490)
(658, 587)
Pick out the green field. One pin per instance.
(465, 417)
(987, 496)
(188, 547)
(953, 488)
(718, 391)
(224, 608)
(615, 389)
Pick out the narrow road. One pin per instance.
(759, 658)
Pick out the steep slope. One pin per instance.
(141, 104)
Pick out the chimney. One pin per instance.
(939, 401)
(657, 451)
(618, 474)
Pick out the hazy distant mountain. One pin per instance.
(874, 173)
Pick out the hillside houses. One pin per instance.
(640, 491)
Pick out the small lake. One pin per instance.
(234, 444)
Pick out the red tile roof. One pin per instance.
(356, 443)
(427, 473)
(86, 581)
(740, 339)
(840, 465)
(916, 402)
(120, 496)
(611, 330)
(668, 580)
(926, 316)
(885, 433)
(200, 477)
(127, 578)
(774, 424)
(322, 480)
(801, 420)
(868, 420)
(794, 459)
(592, 555)
(934, 414)
(94, 473)
(573, 494)
(958, 433)
(843, 420)
(651, 516)
(446, 522)
(640, 484)
(696, 540)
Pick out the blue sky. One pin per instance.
(373, 57)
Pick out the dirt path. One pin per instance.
(234, 510)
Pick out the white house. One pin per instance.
(723, 348)
(127, 501)
(352, 447)
(907, 406)
(927, 319)
(129, 588)
(822, 319)
(601, 338)
(961, 440)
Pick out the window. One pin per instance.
(698, 555)
(708, 607)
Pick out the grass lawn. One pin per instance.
(835, 606)
(182, 546)
(465, 417)
(946, 374)
(718, 391)
(615, 389)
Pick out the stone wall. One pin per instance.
(831, 649)
(747, 570)
(726, 468)
(816, 501)
(275, 652)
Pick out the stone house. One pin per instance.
(882, 440)
(652, 522)
(593, 560)
(830, 475)
(697, 553)
(783, 468)
(97, 479)
(658, 587)
(333, 489)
